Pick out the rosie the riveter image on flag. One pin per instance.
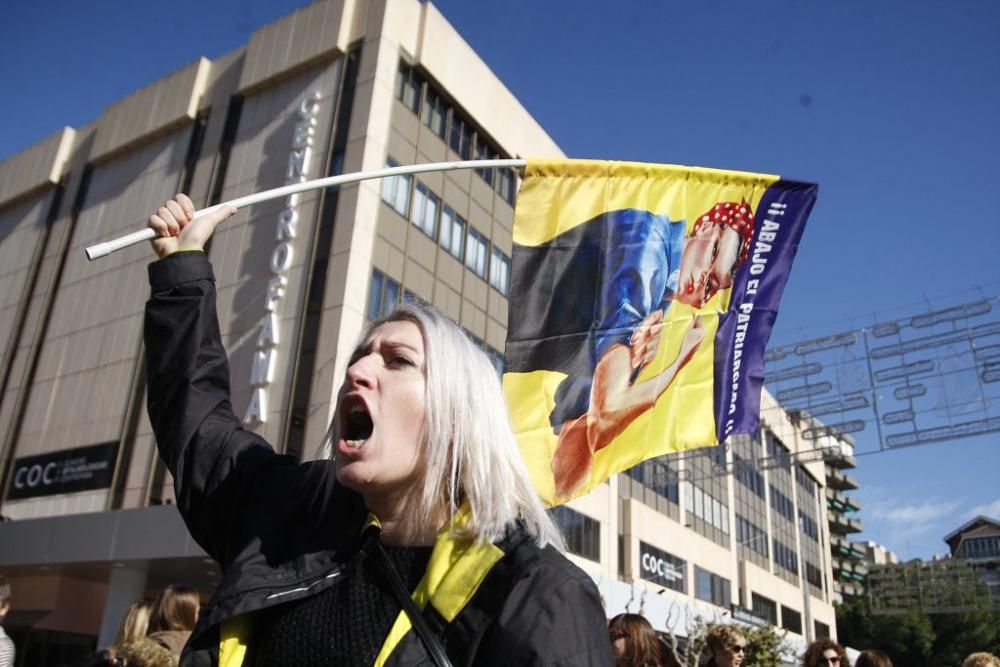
(641, 300)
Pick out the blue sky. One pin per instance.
(892, 107)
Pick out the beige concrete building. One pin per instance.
(338, 86)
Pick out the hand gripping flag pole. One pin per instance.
(146, 234)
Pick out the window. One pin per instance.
(808, 526)
(500, 271)
(657, 475)
(476, 249)
(425, 209)
(408, 84)
(979, 547)
(582, 534)
(791, 620)
(805, 481)
(822, 630)
(785, 557)
(814, 576)
(383, 295)
(434, 112)
(506, 184)
(706, 508)
(711, 587)
(460, 133)
(778, 451)
(461, 137)
(396, 190)
(748, 475)
(751, 536)
(782, 504)
(765, 608)
(410, 297)
(485, 152)
(452, 236)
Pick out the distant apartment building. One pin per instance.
(874, 553)
(849, 568)
(746, 531)
(977, 543)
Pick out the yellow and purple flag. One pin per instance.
(642, 297)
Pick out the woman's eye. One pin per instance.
(400, 361)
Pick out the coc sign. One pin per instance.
(71, 470)
(662, 568)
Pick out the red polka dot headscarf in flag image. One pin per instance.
(738, 217)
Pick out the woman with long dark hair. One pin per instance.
(634, 641)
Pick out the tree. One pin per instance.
(958, 635)
(918, 638)
(765, 644)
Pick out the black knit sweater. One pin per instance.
(343, 625)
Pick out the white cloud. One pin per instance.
(910, 529)
(991, 510)
(923, 513)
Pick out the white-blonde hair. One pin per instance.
(468, 436)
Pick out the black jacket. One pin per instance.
(283, 530)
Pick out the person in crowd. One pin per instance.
(174, 615)
(135, 622)
(133, 628)
(423, 541)
(634, 641)
(6, 643)
(143, 652)
(981, 660)
(872, 658)
(727, 644)
(825, 653)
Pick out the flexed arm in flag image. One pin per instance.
(637, 324)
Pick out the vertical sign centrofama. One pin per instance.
(268, 338)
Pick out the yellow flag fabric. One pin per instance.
(641, 299)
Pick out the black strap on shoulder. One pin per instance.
(430, 640)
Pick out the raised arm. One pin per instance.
(210, 456)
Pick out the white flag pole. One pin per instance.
(146, 234)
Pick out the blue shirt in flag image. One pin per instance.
(641, 300)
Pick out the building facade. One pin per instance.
(338, 86)
(977, 543)
(849, 566)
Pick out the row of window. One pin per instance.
(657, 476)
(808, 526)
(782, 504)
(980, 547)
(581, 533)
(751, 535)
(705, 507)
(785, 557)
(805, 481)
(384, 294)
(778, 451)
(463, 137)
(441, 223)
(711, 587)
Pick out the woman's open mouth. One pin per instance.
(357, 423)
